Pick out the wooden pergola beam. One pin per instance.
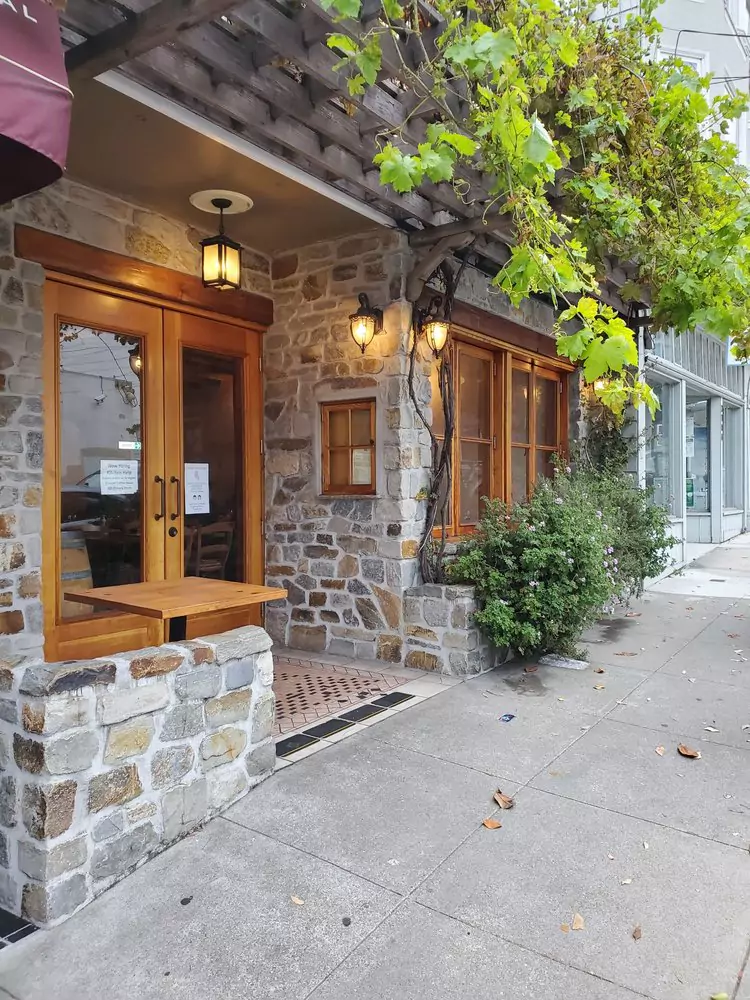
(138, 34)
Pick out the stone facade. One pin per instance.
(100, 220)
(344, 560)
(105, 762)
(440, 633)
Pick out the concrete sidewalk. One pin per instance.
(364, 872)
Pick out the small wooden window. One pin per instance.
(348, 435)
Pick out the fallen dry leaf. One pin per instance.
(578, 923)
(626, 881)
(297, 901)
(710, 729)
(733, 635)
(633, 614)
(688, 752)
(626, 653)
(491, 824)
(637, 932)
(504, 801)
(565, 928)
(598, 670)
(660, 751)
(598, 687)
(611, 857)
(561, 699)
(530, 669)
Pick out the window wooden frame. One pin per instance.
(349, 406)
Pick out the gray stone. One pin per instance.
(69, 754)
(8, 710)
(128, 739)
(240, 673)
(8, 892)
(8, 801)
(224, 787)
(110, 826)
(120, 705)
(54, 714)
(435, 612)
(47, 810)
(263, 717)
(368, 612)
(46, 865)
(261, 760)
(222, 746)
(117, 857)
(4, 851)
(239, 643)
(231, 707)
(44, 904)
(183, 721)
(184, 807)
(170, 765)
(56, 678)
(198, 682)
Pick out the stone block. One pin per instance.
(143, 811)
(311, 638)
(264, 668)
(222, 746)
(348, 567)
(435, 612)
(184, 807)
(390, 606)
(423, 660)
(128, 739)
(389, 648)
(4, 851)
(109, 826)
(198, 652)
(200, 682)
(240, 673)
(225, 786)
(183, 721)
(8, 892)
(114, 787)
(11, 622)
(239, 643)
(232, 707)
(47, 810)
(422, 633)
(57, 678)
(117, 706)
(373, 569)
(55, 714)
(261, 760)
(170, 765)
(46, 865)
(9, 710)
(117, 857)
(12, 555)
(62, 756)
(264, 715)
(153, 662)
(369, 614)
(44, 904)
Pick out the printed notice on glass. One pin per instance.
(361, 467)
(689, 437)
(118, 479)
(196, 488)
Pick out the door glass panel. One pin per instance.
(438, 416)
(520, 407)
(212, 452)
(338, 429)
(546, 396)
(475, 395)
(475, 480)
(361, 431)
(698, 456)
(519, 473)
(544, 466)
(340, 471)
(100, 462)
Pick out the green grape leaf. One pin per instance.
(573, 345)
(343, 43)
(609, 355)
(461, 143)
(538, 146)
(393, 9)
(495, 48)
(437, 163)
(402, 172)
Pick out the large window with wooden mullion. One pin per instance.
(535, 425)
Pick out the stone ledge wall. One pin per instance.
(105, 762)
(440, 633)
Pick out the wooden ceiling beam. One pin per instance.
(138, 34)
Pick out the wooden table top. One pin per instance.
(164, 599)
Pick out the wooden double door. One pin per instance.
(153, 460)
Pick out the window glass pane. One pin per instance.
(474, 396)
(698, 457)
(338, 428)
(546, 394)
(732, 455)
(361, 466)
(657, 447)
(340, 467)
(518, 473)
(438, 417)
(544, 466)
(520, 407)
(444, 492)
(475, 480)
(100, 462)
(361, 433)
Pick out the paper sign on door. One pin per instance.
(118, 478)
(196, 488)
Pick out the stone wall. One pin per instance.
(440, 633)
(344, 560)
(99, 220)
(105, 762)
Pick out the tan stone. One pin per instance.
(114, 787)
(32, 496)
(128, 739)
(348, 566)
(409, 548)
(222, 746)
(6, 599)
(29, 585)
(419, 632)
(389, 648)
(153, 663)
(422, 660)
(8, 524)
(11, 622)
(284, 267)
(390, 605)
(47, 811)
(232, 707)
(141, 812)
(311, 638)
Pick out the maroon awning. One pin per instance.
(34, 98)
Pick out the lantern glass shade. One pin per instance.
(436, 333)
(135, 360)
(221, 262)
(365, 323)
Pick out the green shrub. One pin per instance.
(545, 569)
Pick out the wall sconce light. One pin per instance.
(365, 323)
(135, 358)
(221, 257)
(436, 328)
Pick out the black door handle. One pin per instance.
(173, 517)
(163, 484)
